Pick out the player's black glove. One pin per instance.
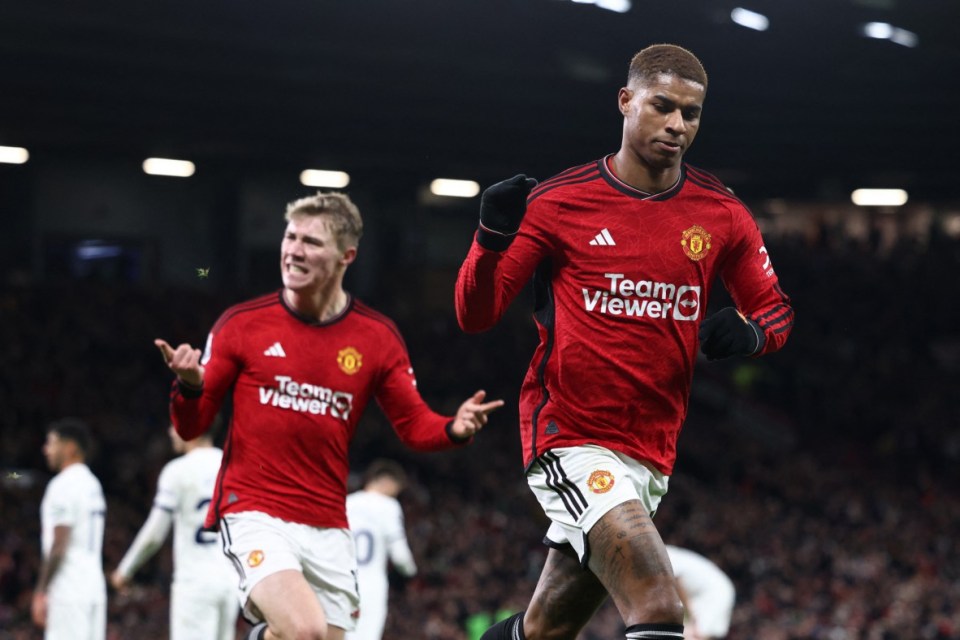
(728, 333)
(502, 206)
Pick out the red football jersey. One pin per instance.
(621, 282)
(299, 388)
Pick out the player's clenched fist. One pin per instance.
(183, 361)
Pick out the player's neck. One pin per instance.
(321, 305)
(639, 175)
(69, 463)
(193, 445)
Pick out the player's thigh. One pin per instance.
(76, 621)
(628, 557)
(288, 603)
(259, 547)
(566, 597)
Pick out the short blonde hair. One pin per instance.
(345, 221)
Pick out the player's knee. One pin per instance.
(660, 606)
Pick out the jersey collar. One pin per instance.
(621, 186)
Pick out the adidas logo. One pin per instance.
(603, 239)
(276, 351)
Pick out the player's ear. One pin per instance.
(623, 99)
(349, 255)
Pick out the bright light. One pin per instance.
(884, 31)
(168, 167)
(620, 6)
(14, 155)
(454, 188)
(750, 19)
(323, 178)
(904, 38)
(879, 197)
(878, 30)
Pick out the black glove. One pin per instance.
(728, 333)
(502, 206)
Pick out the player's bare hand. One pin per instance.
(472, 415)
(38, 609)
(119, 582)
(183, 361)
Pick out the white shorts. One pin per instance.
(75, 620)
(260, 545)
(198, 613)
(576, 486)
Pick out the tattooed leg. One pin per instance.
(629, 559)
(566, 597)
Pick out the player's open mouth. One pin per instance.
(295, 268)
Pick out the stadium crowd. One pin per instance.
(825, 480)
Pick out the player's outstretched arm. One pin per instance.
(184, 361)
(472, 416)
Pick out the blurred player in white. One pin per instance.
(376, 521)
(707, 593)
(70, 601)
(203, 596)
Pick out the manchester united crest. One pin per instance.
(350, 360)
(255, 558)
(695, 242)
(600, 481)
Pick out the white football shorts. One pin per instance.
(576, 486)
(260, 545)
(70, 620)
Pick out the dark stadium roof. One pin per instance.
(401, 90)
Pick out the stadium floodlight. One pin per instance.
(750, 19)
(324, 178)
(885, 31)
(454, 188)
(14, 155)
(168, 167)
(620, 6)
(879, 197)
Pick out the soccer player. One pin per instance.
(203, 596)
(623, 252)
(70, 601)
(376, 521)
(302, 364)
(707, 594)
